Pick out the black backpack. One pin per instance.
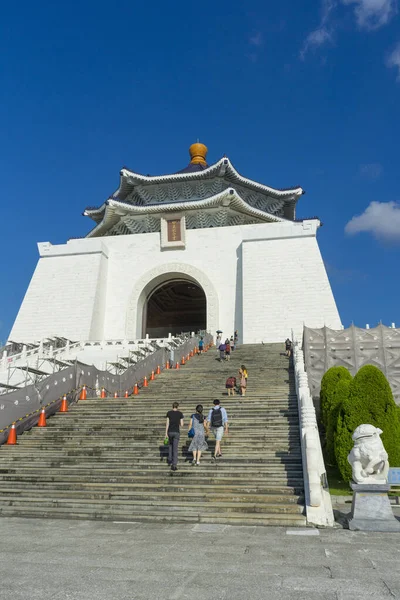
(216, 418)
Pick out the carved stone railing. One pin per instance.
(22, 406)
(50, 352)
(317, 497)
(46, 348)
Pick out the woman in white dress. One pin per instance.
(198, 443)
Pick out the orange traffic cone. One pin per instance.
(167, 365)
(83, 395)
(183, 360)
(177, 366)
(115, 394)
(136, 390)
(152, 378)
(12, 436)
(145, 382)
(191, 353)
(158, 370)
(188, 357)
(64, 405)
(103, 393)
(126, 394)
(42, 418)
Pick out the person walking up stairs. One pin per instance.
(104, 458)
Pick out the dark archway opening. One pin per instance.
(175, 307)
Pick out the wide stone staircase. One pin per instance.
(105, 458)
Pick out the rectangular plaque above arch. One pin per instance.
(173, 232)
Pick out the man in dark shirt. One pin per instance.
(172, 431)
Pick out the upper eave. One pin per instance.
(114, 209)
(222, 168)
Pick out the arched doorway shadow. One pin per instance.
(136, 318)
(176, 306)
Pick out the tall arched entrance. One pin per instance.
(156, 278)
(175, 306)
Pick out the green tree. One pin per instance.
(370, 400)
(328, 389)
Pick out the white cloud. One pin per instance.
(373, 14)
(382, 219)
(323, 33)
(393, 60)
(371, 171)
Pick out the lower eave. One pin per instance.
(114, 209)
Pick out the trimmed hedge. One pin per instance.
(339, 397)
(370, 401)
(328, 389)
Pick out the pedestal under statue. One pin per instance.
(370, 509)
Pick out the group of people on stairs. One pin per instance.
(199, 428)
(239, 384)
(225, 349)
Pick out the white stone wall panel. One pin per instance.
(262, 279)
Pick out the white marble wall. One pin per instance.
(263, 280)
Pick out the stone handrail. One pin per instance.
(317, 497)
(47, 350)
(22, 406)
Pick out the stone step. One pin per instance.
(247, 519)
(293, 484)
(105, 458)
(126, 452)
(170, 496)
(147, 505)
(154, 476)
(136, 430)
(75, 483)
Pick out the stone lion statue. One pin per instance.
(368, 458)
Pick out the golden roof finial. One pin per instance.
(198, 153)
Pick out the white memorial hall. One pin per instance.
(201, 249)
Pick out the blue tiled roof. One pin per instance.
(193, 168)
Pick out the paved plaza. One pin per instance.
(87, 560)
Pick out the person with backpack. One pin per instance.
(198, 443)
(230, 385)
(218, 419)
(172, 432)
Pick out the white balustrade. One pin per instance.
(317, 498)
(97, 352)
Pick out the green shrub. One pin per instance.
(338, 398)
(342, 441)
(328, 387)
(370, 401)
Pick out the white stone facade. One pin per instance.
(262, 279)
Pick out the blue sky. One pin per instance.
(295, 93)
